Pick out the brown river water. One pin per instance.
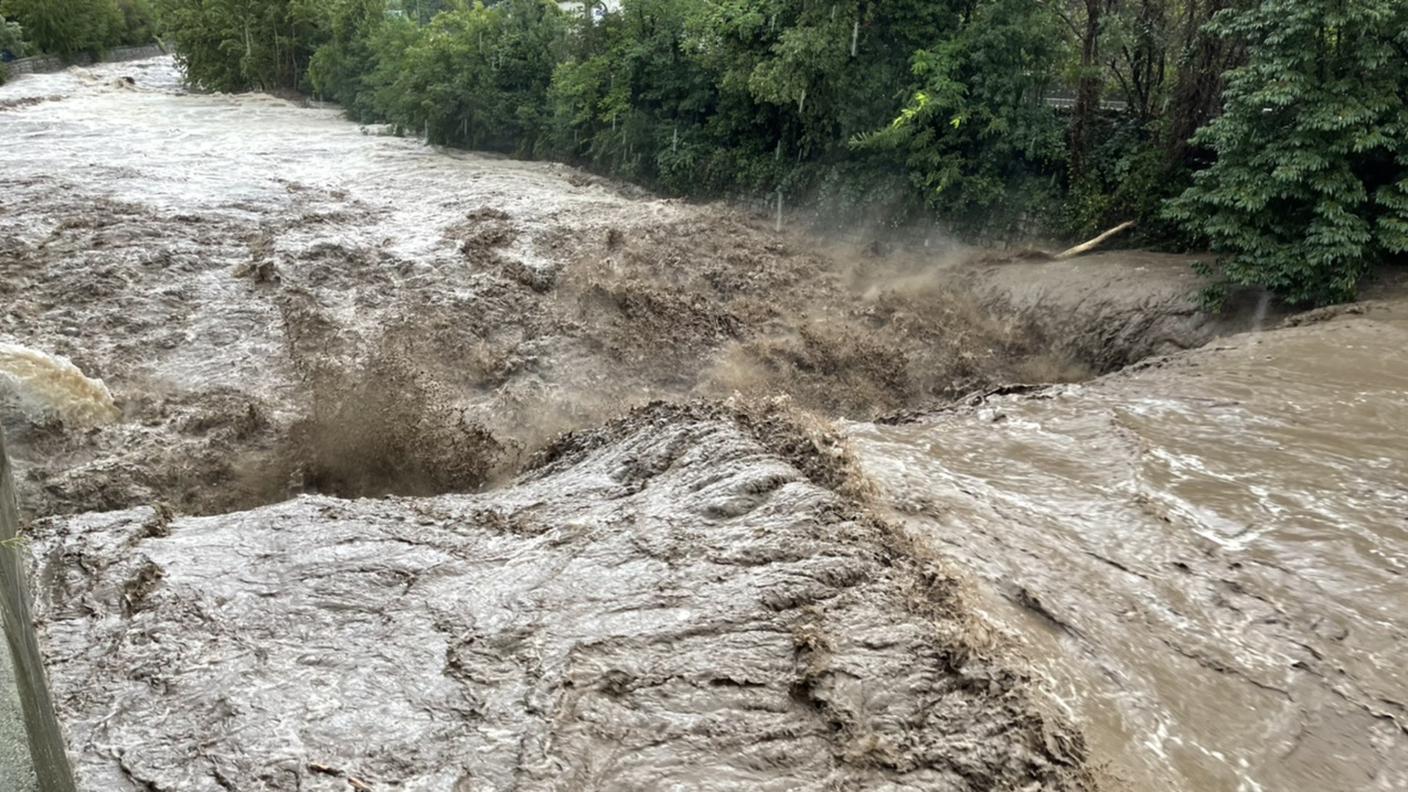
(1205, 558)
(1200, 560)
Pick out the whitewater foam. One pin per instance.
(48, 386)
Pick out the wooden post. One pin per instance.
(46, 741)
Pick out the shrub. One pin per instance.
(11, 39)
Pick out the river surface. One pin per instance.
(1202, 561)
(1206, 559)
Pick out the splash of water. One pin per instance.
(1259, 318)
(52, 386)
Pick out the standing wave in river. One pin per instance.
(51, 386)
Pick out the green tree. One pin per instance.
(1310, 185)
(239, 45)
(12, 38)
(639, 105)
(138, 25)
(339, 68)
(11, 45)
(741, 96)
(477, 75)
(67, 27)
(978, 139)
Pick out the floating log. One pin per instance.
(1086, 247)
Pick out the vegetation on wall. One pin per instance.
(12, 45)
(999, 117)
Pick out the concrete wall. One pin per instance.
(52, 63)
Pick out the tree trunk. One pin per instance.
(1086, 247)
(1087, 89)
(1197, 96)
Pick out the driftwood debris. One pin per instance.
(1086, 247)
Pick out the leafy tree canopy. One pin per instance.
(70, 27)
(1310, 183)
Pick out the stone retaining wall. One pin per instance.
(52, 63)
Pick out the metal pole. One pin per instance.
(48, 763)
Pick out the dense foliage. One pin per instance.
(11, 39)
(978, 140)
(11, 46)
(231, 45)
(70, 27)
(1310, 184)
(998, 117)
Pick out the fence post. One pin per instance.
(47, 763)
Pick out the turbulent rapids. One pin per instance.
(357, 463)
(48, 385)
(1205, 555)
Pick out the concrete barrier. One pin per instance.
(40, 64)
(32, 754)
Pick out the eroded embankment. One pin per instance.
(678, 600)
(1110, 309)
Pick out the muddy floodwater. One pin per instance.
(1207, 557)
(286, 398)
(266, 289)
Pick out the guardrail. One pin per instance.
(33, 757)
